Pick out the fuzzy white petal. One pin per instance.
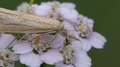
(51, 56)
(58, 42)
(86, 44)
(65, 66)
(80, 44)
(97, 40)
(22, 47)
(60, 64)
(68, 26)
(82, 59)
(69, 15)
(23, 7)
(87, 20)
(90, 22)
(76, 44)
(41, 10)
(68, 5)
(31, 59)
(5, 40)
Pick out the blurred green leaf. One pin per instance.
(18, 64)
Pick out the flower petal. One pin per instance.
(67, 5)
(22, 47)
(31, 59)
(69, 15)
(41, 10)
(5, 40)
(82, 59)
(97, 40)
(51, 56)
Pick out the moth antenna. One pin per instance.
(11, 43)
(25, 36)
(32, 37)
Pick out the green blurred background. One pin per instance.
(106, 15)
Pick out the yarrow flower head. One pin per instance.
(67, 48)
(38, 53)
(7, 57)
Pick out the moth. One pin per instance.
(18, 22)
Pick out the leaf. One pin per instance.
(18, 64)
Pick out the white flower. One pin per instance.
(68, 26)
(41, 10)
(82, 59)
(5, 40)
(7, 58)
(74, 58)
(87, 20)
(51, 57)
(24, 7)
(67, 5)
(33, 58)
(52, 48)
(70, 15)
(95, 40)
(22, 47)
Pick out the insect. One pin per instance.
(18, 22)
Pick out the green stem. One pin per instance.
(31, 2)
(43, 65)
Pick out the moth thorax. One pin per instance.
(84, 30)
(68, 53)
(40, 48)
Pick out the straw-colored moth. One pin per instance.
(18, 22)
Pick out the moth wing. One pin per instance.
(26, 22)
(12, 28)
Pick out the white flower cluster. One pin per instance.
(60, 49)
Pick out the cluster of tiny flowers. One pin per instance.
(67, 49)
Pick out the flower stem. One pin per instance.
(43, 65)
